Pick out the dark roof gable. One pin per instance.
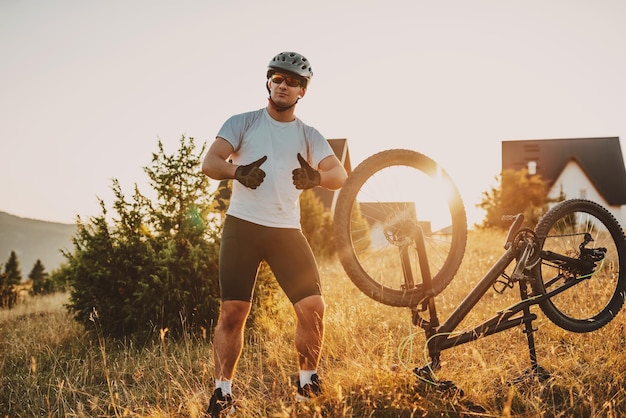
(600, 158)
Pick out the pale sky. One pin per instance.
(88, 87)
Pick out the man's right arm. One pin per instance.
(215, 164)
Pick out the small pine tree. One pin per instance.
(41, 284)
(12, 269)
(13, 277)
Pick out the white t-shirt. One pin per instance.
(256, 134)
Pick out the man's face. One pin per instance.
(285, 89)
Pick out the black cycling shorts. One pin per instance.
(245, 245)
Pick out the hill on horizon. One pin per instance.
(34, 240)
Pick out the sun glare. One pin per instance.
(429, 195)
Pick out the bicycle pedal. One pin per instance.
(450, 386)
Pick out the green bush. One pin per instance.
(317, 224)
(154, 264)
(518, 192)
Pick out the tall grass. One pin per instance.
(51, 366)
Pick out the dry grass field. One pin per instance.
(51, 366)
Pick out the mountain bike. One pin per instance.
(400, 232)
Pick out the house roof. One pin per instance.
(600, 159)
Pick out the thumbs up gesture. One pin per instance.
(251, 175)
(305, 177)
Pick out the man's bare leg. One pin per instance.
(228, 338)
(309, 331)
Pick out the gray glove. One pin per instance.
(251, 175)
(305, 177)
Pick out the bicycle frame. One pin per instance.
(439, 336)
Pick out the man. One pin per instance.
(273, 156)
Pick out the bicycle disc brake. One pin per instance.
(399, 229)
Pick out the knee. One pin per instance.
(233, 315)
(319, 307)
(312, 307)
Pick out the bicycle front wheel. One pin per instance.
(398, 218)
(583, 252)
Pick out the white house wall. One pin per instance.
(576, 185)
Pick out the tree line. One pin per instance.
(151, 263)
(39, 282)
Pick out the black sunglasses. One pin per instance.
(291, 81)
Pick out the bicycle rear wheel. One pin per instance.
(588, 284)
(379, 210)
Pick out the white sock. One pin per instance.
(305, 376)
(225, 385)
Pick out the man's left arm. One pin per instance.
(332, 173)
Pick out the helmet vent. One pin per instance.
(292, 62)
